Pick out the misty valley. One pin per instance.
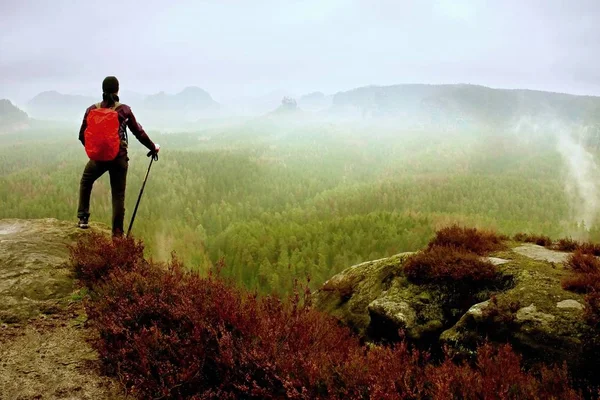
(397, 242)
(300, 200)
(280, 200)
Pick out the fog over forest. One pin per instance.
(371, 110)
(352, 199)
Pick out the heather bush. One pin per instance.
(583, 262)
(592, 309)
(570, 245)
(567, 244)
(168, 333)
(586, 279)
(96, 255)
(444, 265)
(586, 276)
(497, 374)
(581, 283)
(540, 240)
(469, 239)
(589, 248)
(175, 334)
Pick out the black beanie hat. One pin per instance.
(110, 85)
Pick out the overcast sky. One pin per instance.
(236, 48)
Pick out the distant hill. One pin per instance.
(465, 105)
(12, 118)
(315, 101)
(188, 105)
(445, 107)
(56, 106)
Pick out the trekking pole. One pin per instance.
(152, 158)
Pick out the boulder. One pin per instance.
(347, 295)
(526, 307)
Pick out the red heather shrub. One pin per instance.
(95, 255)
(567, 244)
(469, 239)
(582, 283)
(586, 278)
(540, 240)
(172, 334)
(592, 309)
(583, 263)
(448, 265)
(175, 334)
(381, 372)
(497, 374)
(589, 248)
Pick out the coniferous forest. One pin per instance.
(279, 202)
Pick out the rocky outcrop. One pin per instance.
(526, 307)
(44, 347)
(34, 275)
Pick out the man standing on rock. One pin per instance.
(104, 136)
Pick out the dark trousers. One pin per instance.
(117, 169)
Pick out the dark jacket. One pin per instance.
(126, 120)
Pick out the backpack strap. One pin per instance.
(117, 104)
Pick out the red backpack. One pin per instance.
(101, 136)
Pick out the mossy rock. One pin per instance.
(348, 294)
(526, 307)
(540, 319)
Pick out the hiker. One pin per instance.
(104, 136)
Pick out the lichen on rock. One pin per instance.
(527, 308)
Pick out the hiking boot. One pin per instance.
(83, 223)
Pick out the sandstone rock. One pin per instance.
(528, 317)
(496, 260)
(532, 315)
(530, 309)
(34, 277)
(541, 253)
(348, 295)
(377, 301)
(570, 303)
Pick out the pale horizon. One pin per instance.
(236, 49)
